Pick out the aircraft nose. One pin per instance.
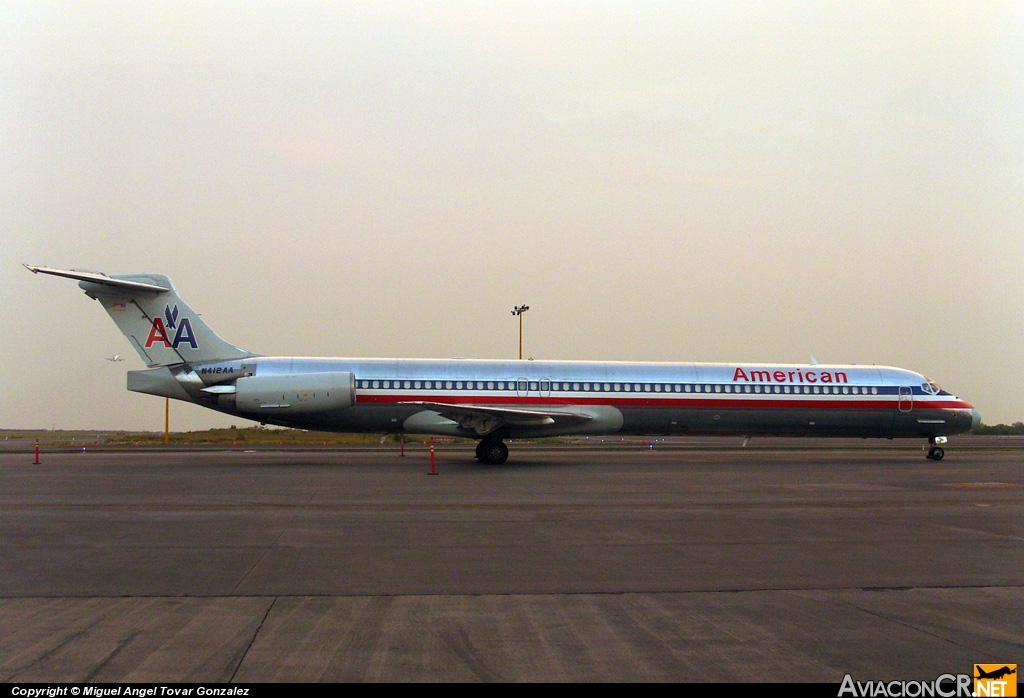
(975, 418)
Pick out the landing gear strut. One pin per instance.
(936, 452)
(492, 452)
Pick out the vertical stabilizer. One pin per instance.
(148, 310)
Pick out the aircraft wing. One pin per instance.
(486, 418)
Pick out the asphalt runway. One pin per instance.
(566, 564)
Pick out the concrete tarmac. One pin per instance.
(566, 564)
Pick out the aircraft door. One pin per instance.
(906, 399)
(522, 387)
(545, 387)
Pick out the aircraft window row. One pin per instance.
(547, 386)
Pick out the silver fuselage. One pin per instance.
(618, 397)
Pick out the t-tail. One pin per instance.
(154, 318)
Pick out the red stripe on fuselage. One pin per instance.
(818, 402)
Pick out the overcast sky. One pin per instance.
(677, 181)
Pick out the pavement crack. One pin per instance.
(257, 562)
(905, 624)
(252, 640)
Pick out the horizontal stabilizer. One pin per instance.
(98, 278)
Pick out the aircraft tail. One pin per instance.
(154, 318)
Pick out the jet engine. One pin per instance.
(295, 393)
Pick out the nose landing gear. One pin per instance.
(936, 452)
(491, 451)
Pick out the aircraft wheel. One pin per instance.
(480, 450)
(936, 453)
(494, 452)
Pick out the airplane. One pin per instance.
(994, 674)
(491, 401)
(114, 359)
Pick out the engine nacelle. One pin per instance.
(295, 393)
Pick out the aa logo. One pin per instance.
(995, 679)
(160, 331)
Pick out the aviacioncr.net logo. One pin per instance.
(995, 680)
(945, 686)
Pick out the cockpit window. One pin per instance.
(930, 387)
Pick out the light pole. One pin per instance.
(519, 311)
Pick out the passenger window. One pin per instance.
(874, 391)
(490, 385)
(647, 387)
(565, 386)
(728, 388)
(687, 388)
(618, 387)
(576, 387)
(607, 387)
(636, 387)
(718, 388)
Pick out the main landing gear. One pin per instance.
(491, 451)
(936, 452)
